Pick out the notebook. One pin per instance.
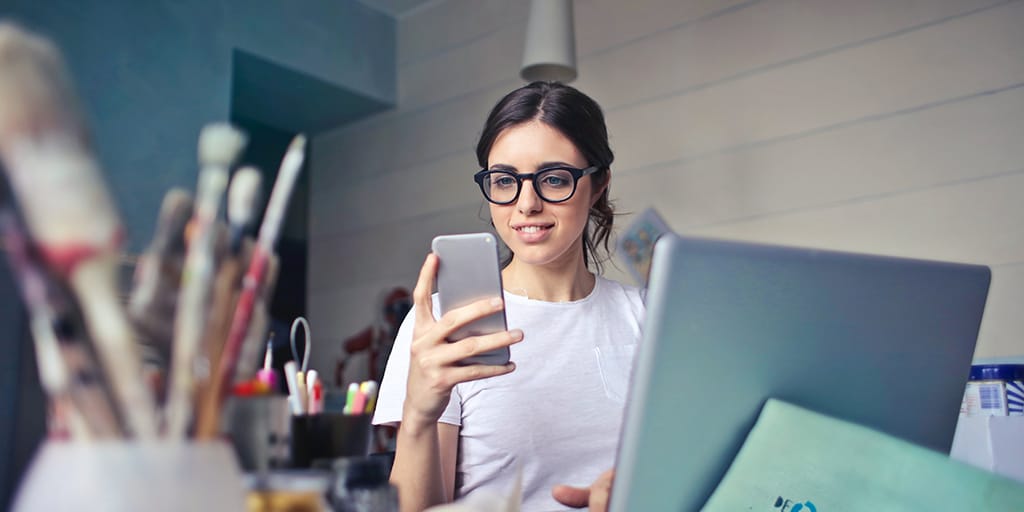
(883, 342)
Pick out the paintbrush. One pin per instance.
(67, 371)
(219, 145)
(263, 252)
(67, 207)
(259, 325)
(154, 298)
(242, 196)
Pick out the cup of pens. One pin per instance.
(318, 435)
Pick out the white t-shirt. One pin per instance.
(558, 415)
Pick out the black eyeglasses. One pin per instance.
(553, 184)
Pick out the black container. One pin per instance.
(328, 436)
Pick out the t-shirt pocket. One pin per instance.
(616, 365)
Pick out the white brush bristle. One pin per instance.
(220, 144)
(245, 188)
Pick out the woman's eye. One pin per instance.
(555, 181)
(503, 181)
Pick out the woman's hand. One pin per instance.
(594, 497)
(433, 363)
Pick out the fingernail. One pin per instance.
(517, 334)
(496, 302)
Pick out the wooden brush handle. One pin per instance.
(225, 298)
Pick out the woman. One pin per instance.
(555, 412)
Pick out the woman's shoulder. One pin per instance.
(626, 294)
(621, 288)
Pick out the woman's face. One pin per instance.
(538, 232)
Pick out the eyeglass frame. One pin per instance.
(575, 172)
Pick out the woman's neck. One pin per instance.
(556, 282)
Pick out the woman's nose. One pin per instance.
(529, 201)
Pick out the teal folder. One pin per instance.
(796, 460)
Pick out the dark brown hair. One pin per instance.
(580, 119)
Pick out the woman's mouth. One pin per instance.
(533, 232)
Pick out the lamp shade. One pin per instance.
(550, 50)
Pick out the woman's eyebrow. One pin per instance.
(543, 165)
(548, 165)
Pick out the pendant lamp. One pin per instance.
(550, 50)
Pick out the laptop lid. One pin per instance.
(884, 342)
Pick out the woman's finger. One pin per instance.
(600, 491)
(456, 351)
(424, 288)
(458, 317)
(595, 497)
(575, 497)
(457, 374)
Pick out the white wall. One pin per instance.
(884, 126)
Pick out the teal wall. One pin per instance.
(151, 73)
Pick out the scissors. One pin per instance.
(301, 321)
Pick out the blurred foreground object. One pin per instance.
(66, 206)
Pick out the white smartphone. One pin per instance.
(467, 272)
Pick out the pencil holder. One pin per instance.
(328, 436)
(259, 428)
(130, 476)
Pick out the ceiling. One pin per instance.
(289, 100)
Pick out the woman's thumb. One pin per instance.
(569, 496)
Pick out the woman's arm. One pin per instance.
(425, 452)
(424, 470)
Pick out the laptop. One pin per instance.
(880, 341)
